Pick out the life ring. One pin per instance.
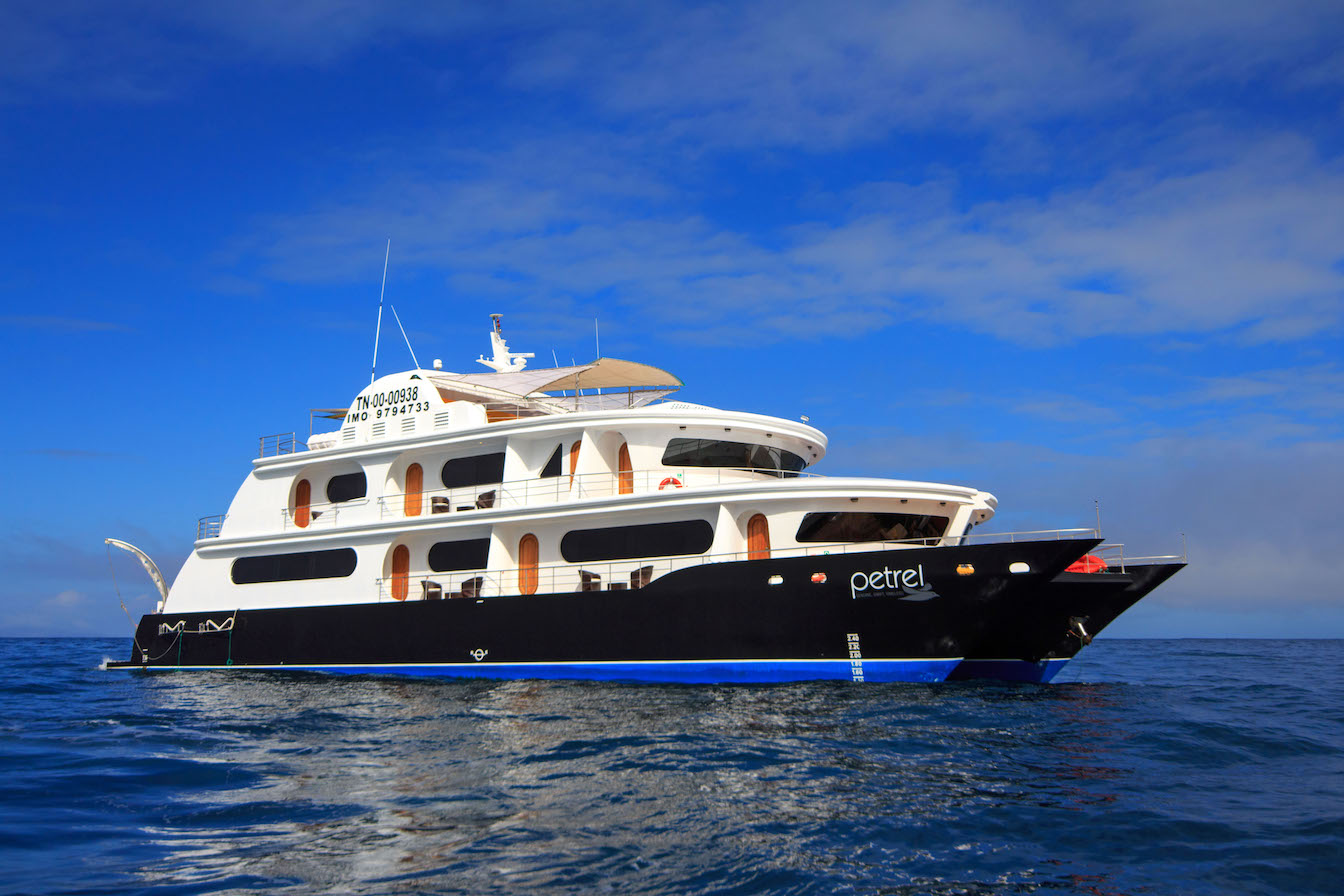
(672, 481)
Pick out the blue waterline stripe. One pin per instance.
(682, 671)
(1010, 670)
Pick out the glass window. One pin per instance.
(738, 455)
(848, 526)
(649, 540)
(334, 564)
(347, 487)
(447, 556)
(552, 468)
(484, 469)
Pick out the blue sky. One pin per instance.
(1060, 252)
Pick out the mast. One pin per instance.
(374, 374)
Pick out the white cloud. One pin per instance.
(1246, 247)
(1254, 243)
(756, 73)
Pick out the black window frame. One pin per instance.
(553, 466)
(299, 566)
(727, 454)
(455, 556)
(826, 527)
(679, 538)
(345, 489)
(473, 470)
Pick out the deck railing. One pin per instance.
(1114, 555)
(278, 444)
(321, 516)
(1028, 535)
(563, 488)
(623, 575)
(210, 526)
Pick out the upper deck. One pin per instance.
(427, 447)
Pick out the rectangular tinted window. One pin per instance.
(737, 455)
(485, 469)
(625, 542)
(447, 556)
(347, 487)
(845, 526)
(334, 564)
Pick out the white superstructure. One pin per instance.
(520, 481)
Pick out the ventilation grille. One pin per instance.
(442, 419)
(408, 424)
(379, 429)
(348, 434)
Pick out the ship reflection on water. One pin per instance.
(390, 785)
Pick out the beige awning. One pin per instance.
(604, 373)
(613, 373)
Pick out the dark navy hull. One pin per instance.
(1039, 637)
(904, 615)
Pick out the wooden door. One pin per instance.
(573, 460)
(758, 538)
(401, 571)
(415, 484)
(528, 553)
(626, 474)
(303, 499)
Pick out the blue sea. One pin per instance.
(1184, 766)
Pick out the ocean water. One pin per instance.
(1147, 767)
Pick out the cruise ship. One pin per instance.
(580, 523)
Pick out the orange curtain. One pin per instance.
(758, 538)
(415, 483)
(573, 460)
(627, 474)
(401, 569)
(303, 497)
(528, 553)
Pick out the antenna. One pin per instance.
(403, 336)
(597, 342)
(373, 375)
(1098, 503)
(504, 361)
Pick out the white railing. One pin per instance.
(1028, 535)
(621, 575)
(279, 443)
(564, 488)
(323, 516)
(210, 526)
(1114, 555)
(552, 579)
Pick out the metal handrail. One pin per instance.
(210, 526)
(562, 577)
(581, 486)
(278, 444)
(1114, 555)
(1036, 535)
(327, 513)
